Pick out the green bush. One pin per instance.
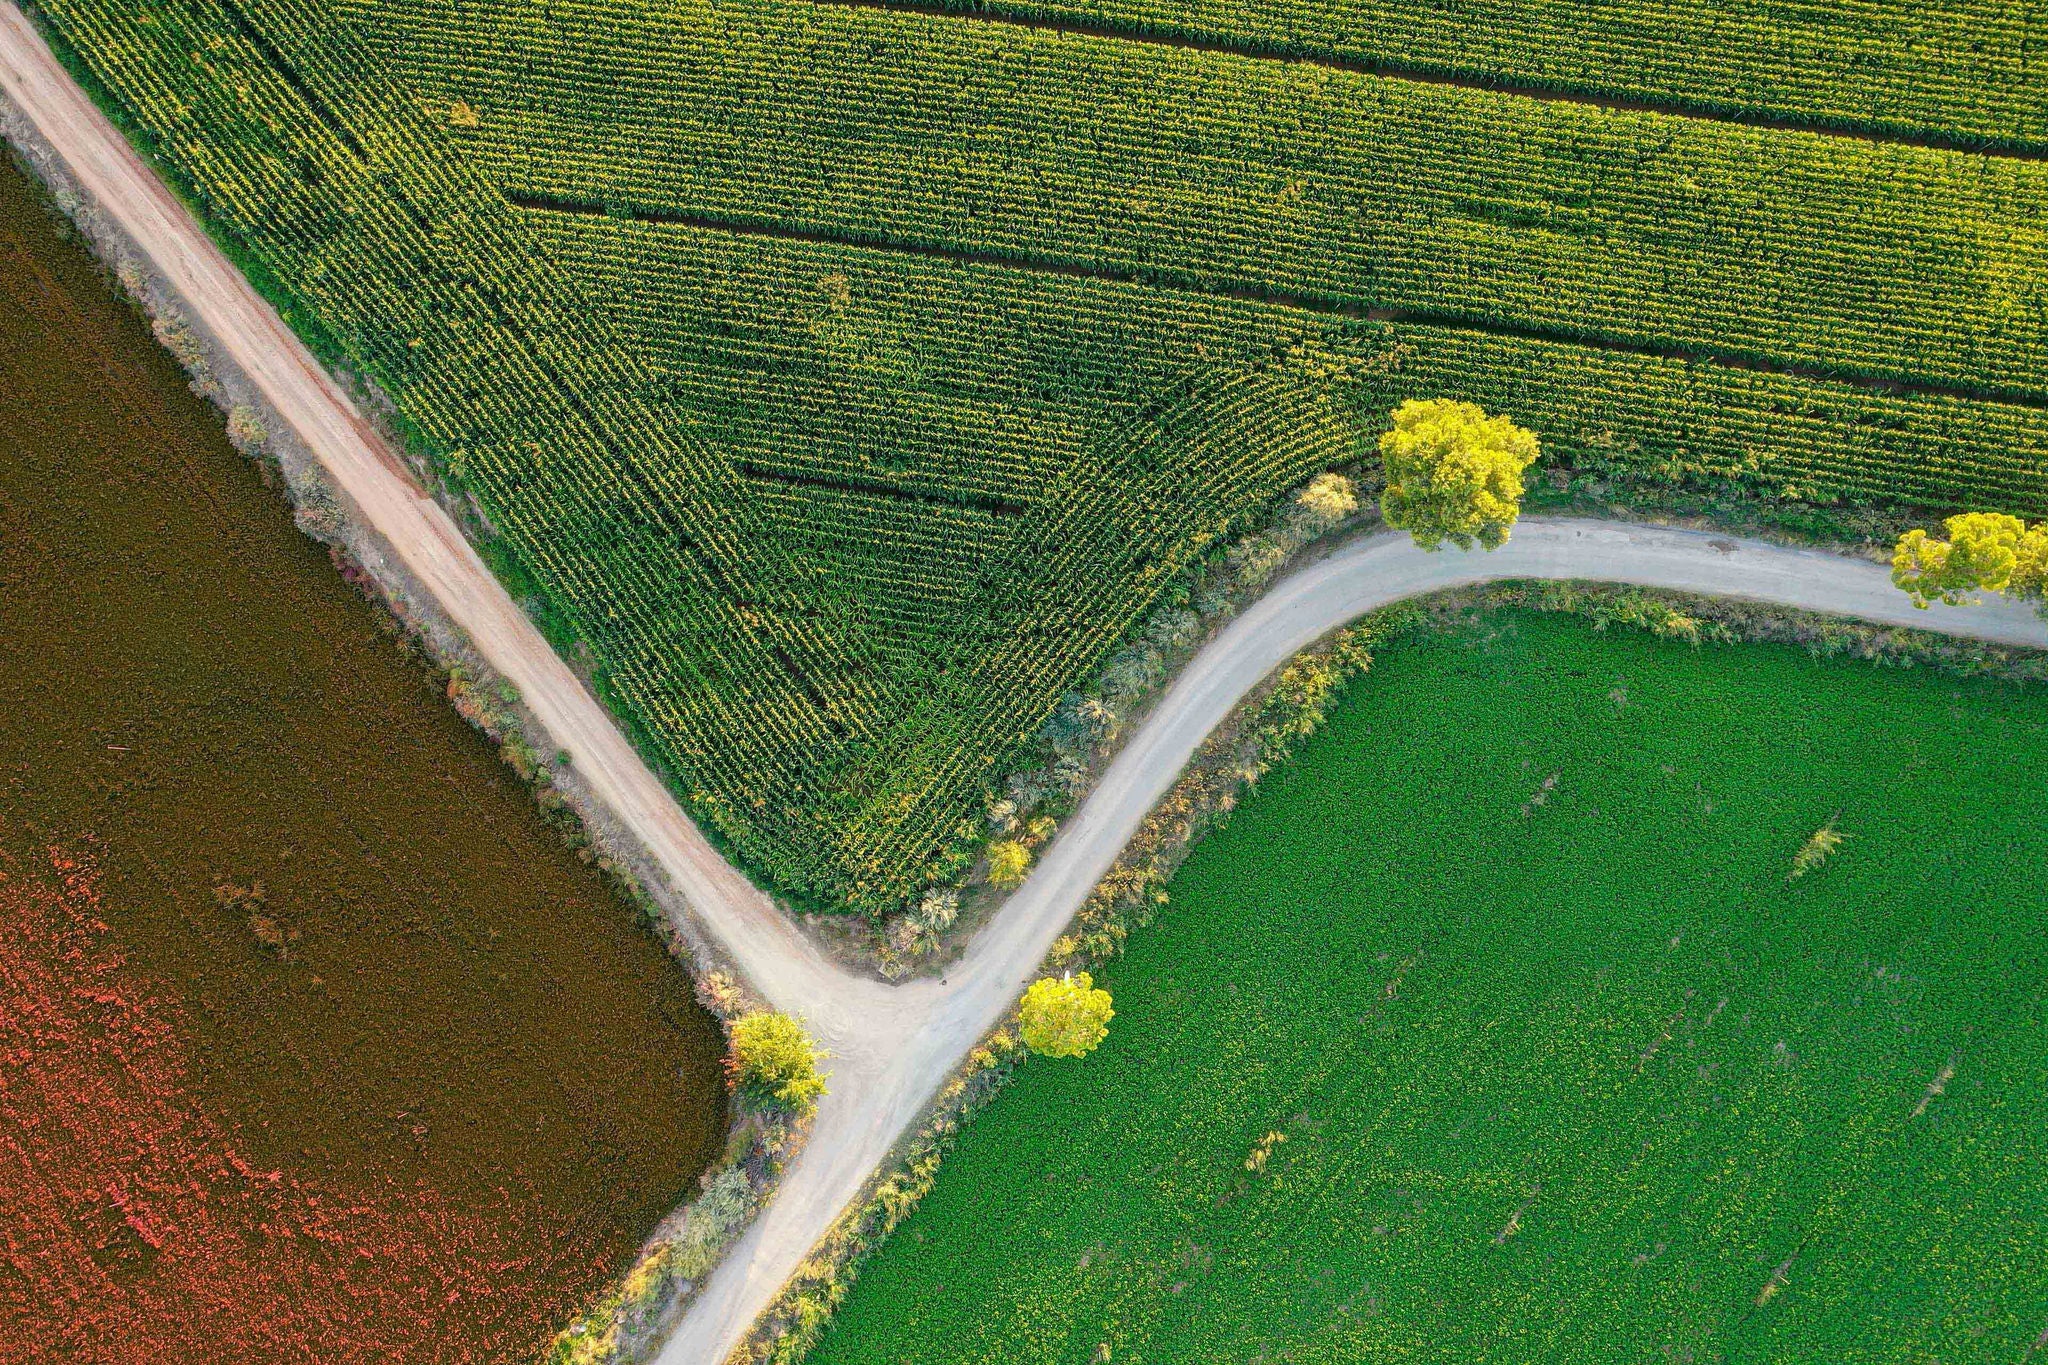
(773, 1061)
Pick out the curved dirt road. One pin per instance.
(929, 1027)
(892, 1046)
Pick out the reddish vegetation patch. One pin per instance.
(133, 1228)
(365, 1065)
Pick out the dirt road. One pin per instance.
(892, 1046)
(928, 1028)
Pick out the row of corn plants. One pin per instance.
(1346, 189)
(1956, 73)
(838, 526)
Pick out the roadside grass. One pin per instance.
(1417, 1067)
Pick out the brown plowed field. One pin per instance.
(139, 1228)
(315, 1043)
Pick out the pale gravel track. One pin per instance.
(892, 1045)
(931, 1027)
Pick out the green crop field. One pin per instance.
(848, 379)
(1954, 73)
(1562, 1064)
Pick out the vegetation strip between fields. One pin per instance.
(1308, 303)
(1194, 41)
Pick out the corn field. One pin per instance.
(848, 381)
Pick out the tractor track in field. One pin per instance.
(1323, 305)
(1191, 39)
(892, 1046)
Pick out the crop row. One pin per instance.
(944, 379)
(907, 566)
(1345, 189)
(710, 634)
(1100, 353)
(1957, 72)
(1651, 421)
(842, 525)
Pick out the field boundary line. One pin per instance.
(1298, 54)
(892, 1046)
(530, 202)
(856, 1136)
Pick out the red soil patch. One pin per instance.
(134, 1229)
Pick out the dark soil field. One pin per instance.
(315, 1042)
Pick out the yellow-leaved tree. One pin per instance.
(1984, 552)
(1454, 473)
(1008, 864)
(1065, 1016)
(773, 1061)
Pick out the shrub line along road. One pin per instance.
(892, 1046)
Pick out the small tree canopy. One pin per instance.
(1453, 473)
(1008, 861)
(1065, 1016)
(773, 1060)
(1984, 552)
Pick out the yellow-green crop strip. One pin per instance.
(850, 380)
(1562, 1063)
(1953, 74)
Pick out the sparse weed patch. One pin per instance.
(1818, 848)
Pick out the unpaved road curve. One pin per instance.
(858, 1123)
(892, 1046)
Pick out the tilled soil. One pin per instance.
(140, 1227)
(318, 1043)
